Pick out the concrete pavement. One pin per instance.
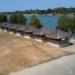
(61, 66)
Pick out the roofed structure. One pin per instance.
(41, 31)
(58, 34)
(29, 29)
(20, 28)
(7, 25)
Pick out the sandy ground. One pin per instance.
(17, 53)
(61, 66)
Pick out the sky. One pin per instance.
(13, 5)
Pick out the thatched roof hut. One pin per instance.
(7, 25)
(0, 25)
(20, 28)
(40, 32)
(58, 34)
(29, 29)
(11, 27)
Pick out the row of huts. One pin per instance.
(57, 38)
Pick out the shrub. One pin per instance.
(3, 18)
(17, 19)
(66, 23)
(35, 22)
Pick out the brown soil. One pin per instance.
(17, 53)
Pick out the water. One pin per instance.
(49, 22)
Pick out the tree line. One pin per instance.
(66, 23)
(60, 10)
(20, 19)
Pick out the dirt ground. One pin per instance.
(17, 53)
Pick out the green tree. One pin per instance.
(35, 22)
(21, 19)
(3, 18)
(73, 25)
(66, 23)
(17, 19)
(13, 19)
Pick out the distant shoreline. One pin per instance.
(54, 14)
(39, 14)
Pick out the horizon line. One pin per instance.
(34, 9)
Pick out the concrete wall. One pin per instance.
(38, 40)
(26, 36)
(53, 44)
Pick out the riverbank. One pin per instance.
(18, 53)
